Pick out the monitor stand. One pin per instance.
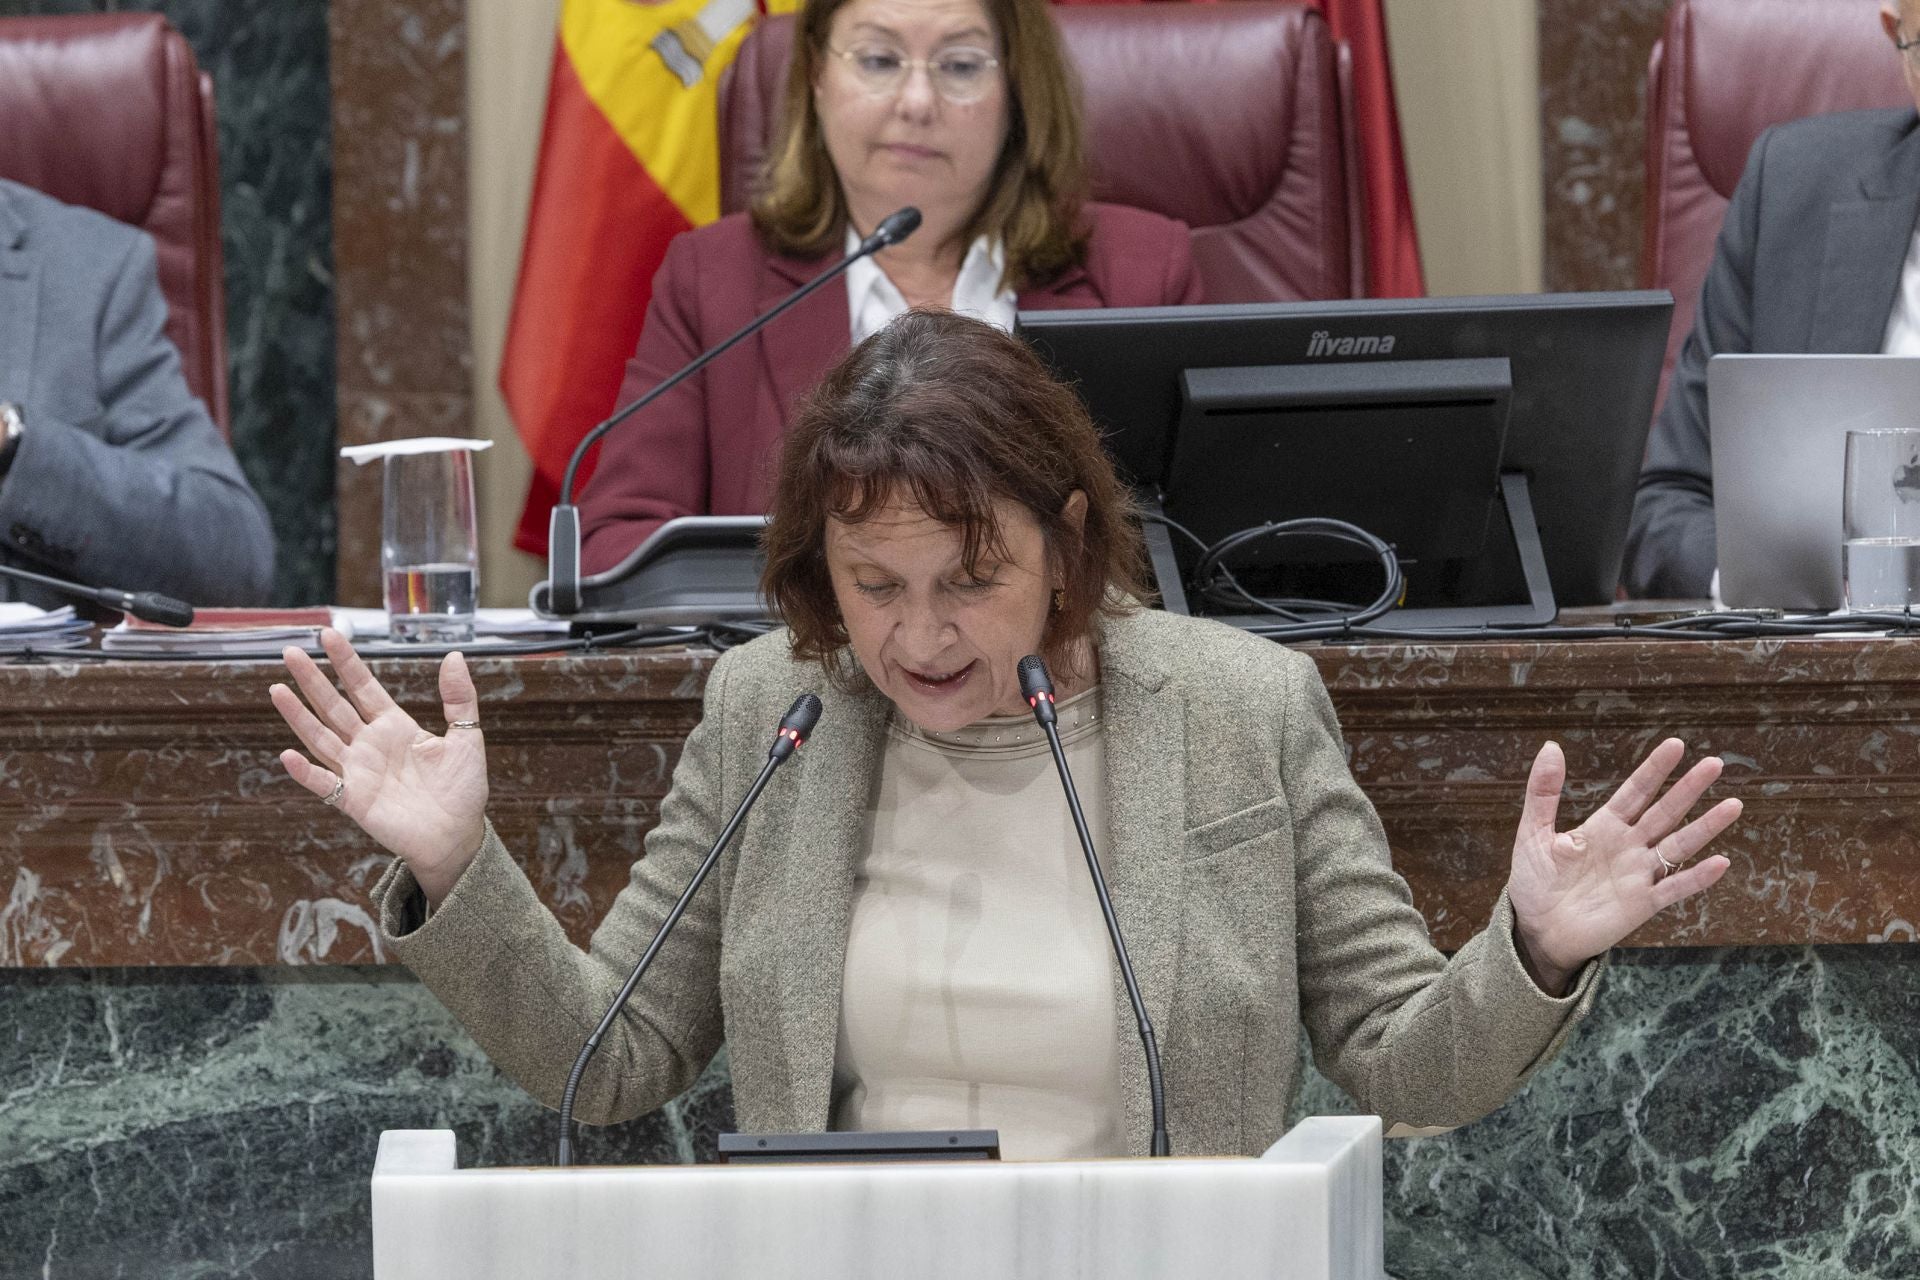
(1160, 557)
(1539, 610)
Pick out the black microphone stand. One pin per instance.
(1037, 687)
(149, 606)
(794, 728)
(563, 525)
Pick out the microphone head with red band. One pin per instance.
(796, 725)
(1036, 686)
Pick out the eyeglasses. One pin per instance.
(958, 75)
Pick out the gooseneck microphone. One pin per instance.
(794, 728)
(1037, 687)
(563, 526)
(149, 606)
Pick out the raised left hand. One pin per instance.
(1576, 893)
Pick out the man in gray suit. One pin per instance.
(1816, 254)
(111, 472)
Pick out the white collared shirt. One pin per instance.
(1903, 325)
(873, 300)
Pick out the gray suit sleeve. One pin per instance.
(1671, 551)
(1419, 1039)
(148, 498)
(500, 961)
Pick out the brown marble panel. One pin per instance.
(398, 72)
(1593, 79)
(146, 820)
(1821, 740)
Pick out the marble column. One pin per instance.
(1593, 84)
(400, 246)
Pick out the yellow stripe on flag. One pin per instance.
(653, 70)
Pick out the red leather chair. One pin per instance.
(1253, 153)
(112, 112)
(1724, 72)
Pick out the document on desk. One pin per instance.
(267, 631)
(28, 626)
(490, 626)
(223, 631)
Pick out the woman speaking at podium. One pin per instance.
(904, 934)
(964, 109)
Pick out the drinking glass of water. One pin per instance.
(1880, 556)
(429, 550)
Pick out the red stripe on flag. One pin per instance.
(1393, 245)
(597, 229)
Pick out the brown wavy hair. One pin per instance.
(1039, 183)
(954, 415)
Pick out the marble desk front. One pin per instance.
(145, 819)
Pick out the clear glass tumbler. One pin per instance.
(429, 547)
(1880, 548)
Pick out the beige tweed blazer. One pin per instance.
(1250, 876)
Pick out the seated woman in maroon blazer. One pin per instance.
(963, 108)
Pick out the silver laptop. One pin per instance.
(1778, 425)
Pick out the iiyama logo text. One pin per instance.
(1324, 344)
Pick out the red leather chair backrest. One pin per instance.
(1724, 72)
(112, 112)
(1251, 152)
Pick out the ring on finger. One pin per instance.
(1667, 868)
(463, 724)
(333, 796)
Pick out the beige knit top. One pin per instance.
(979, 984)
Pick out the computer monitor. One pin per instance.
(1423, 420)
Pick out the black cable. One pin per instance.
(1213, 580)
(719, 635)
(725, 635)
(1732, 624)
(1695, 627)
(1227, 580)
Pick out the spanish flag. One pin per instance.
(629, 158)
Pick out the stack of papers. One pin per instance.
(27, 626)
(490, 626)
(262, 631)
(268, 631)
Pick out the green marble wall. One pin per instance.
(185, 1124)
(268, 59)
(1751, 1112)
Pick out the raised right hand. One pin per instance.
(422, 796)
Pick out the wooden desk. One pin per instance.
(145, 819)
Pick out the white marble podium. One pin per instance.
(1309, 1209)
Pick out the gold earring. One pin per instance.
(1059, 599)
